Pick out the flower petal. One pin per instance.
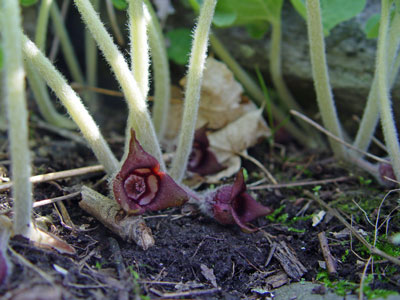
(202, 160)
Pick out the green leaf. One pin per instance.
(333, 12)
(257, 29)
(371, 28)
(27, 2)
(180, 41)
(120, 4)
(300, 7)
(254, 14)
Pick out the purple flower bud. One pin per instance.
(141, 186)
(231, 204)
(386, 170)
(202, 161)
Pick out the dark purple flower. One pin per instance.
(231, 204)
(141, 186)
(386, 170)
(202, 161)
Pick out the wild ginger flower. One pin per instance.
(202, 160)
(386, 170)
(230, 204)
(140, 185)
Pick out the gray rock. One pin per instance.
(350, 55)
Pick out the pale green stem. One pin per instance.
(72, 103)
(161, 75)
(41, 25)
(370, 116)
(139, 117)
(256, 93)
(139, 45)
(192, 91)
(114, 23)
(388, 125)
(14, 85)
(45, 105)
(323, 89)
(275, 68)
(91, 57)
(66, 45)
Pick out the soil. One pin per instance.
(194, 257)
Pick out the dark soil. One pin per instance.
(195, 257)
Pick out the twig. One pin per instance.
(79, 87)
(185, 293)
(258, 164)
(361, 294)
(331, 135)
(28, 264)
(335, 213)
(300, 183)
(58, 175)
(107, 211)
(114, 23)
(330, 261)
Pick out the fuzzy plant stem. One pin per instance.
(192, 91)
(276, 67)
(72, 103)
(370, 116)
(14, 84)
(91, 58)
(388, 124)
(161, 75)
(139, 117)
(41, 25)
(140, 60)
(66, 45)
(42, 97)
(256, 93)
(323, 89)
(114, 23)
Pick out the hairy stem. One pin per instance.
(42, 97)
(91, 57)
(256, 93)
(41, 25)
(388, 125)
(139, 117)
(192, 91)
(66, 45)
(161, 75)
(370, 116)
(14, 85)
(323, 89)
(72, 103)
(139, 45)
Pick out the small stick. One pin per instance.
(258, 164)
(58, 175)
(299, 183)
(185, 293)
(330, 261)
(107, 211)
(331, 135)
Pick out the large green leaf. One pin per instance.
(371, 28)
(180, 41)
(27, 2)
(334, 12)
(255, 15)
(120, 4)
